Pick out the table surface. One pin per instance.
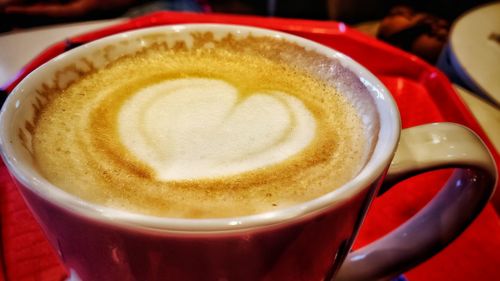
(19, 47)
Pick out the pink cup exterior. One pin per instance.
(310, 249)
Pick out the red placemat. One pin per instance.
(423, 95)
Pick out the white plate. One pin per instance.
(476, 52)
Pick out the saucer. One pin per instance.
(474, 50)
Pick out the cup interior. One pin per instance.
(373, 101)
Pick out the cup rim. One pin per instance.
(388, 136)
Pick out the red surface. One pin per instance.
(423, 95)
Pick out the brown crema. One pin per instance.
(78, 147)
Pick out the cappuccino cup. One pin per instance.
(226, 152)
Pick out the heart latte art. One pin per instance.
(201, 128)
(233, 127)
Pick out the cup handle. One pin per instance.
(458, 203)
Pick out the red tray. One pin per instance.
(423, 94)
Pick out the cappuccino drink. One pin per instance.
(203, 128)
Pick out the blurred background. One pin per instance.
(420, 27)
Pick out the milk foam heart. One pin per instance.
(200, 128)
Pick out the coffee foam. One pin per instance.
(194, 128)
(128, 135)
